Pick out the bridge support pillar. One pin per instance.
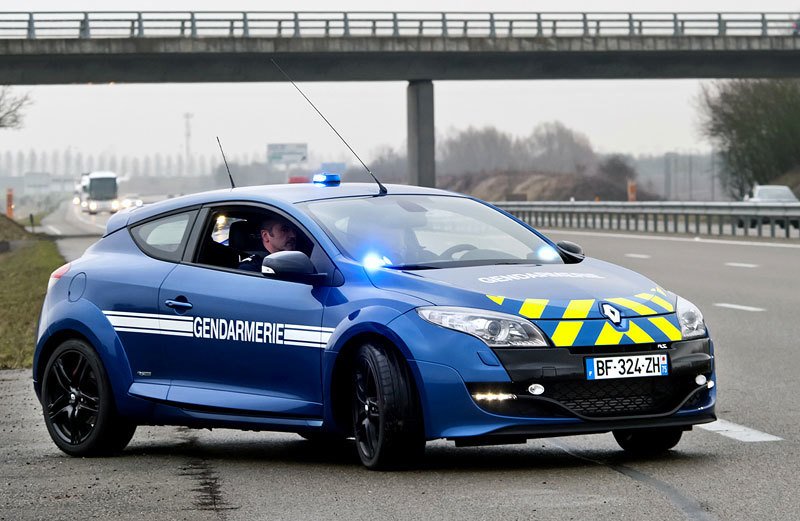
(421, 143)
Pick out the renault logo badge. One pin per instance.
(611, 313)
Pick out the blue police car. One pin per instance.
(394, 318)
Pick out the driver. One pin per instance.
(277, 234)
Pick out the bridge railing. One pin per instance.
(710, 219)
(204, 24)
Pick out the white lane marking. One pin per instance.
(550, 231)
(637, 255)
(738, 432)
(738, 306)
(79, 216)
(53, 229)
(741, 265)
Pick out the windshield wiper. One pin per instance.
(411, 267)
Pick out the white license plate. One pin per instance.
(626, 366)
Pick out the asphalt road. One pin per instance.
(749, 295)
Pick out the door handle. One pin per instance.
(178, 304)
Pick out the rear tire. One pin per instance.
(386, 414)
(78, 404)
(648, 442)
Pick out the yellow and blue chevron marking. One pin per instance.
(643, 330)
(648, 317)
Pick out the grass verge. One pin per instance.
(37, 219)
(23, 283)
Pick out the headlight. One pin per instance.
(93, 205)
(115, 205)
(495, 329)
(691, 319)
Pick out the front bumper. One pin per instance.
(571, 404)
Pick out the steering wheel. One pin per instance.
(452, 250)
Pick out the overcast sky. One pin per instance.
(632, 116)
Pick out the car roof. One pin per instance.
(280, 196)
(101, 174)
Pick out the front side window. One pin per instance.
(233, 234)
(427, 232)
(164, 238)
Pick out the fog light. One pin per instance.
(493, 397)
(536, 389)
(710, 384)
(700, 379)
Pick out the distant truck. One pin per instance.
(99, 192)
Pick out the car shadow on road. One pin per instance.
(439, 456)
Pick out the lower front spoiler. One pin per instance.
(521, 433)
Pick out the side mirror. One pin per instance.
(293, 266)
(573, 251)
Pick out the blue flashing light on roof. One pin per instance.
(326, 179)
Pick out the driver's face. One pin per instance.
(282, 237)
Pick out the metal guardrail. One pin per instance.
(202, 24)
(734, 219)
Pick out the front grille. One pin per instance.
(621, 397)
(594, 398)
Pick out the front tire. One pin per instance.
(78, 404)
(648, 442)
(386, 415)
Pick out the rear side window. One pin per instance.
(164, 238)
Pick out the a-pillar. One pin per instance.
(421, 143)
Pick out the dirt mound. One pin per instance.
(792, 180)
(527, 186)
(11, 231)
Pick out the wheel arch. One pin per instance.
(84, 321)
(48, 346)
(339, 390)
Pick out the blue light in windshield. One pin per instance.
(372, 261)
(547, 253)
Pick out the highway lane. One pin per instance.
(170, 473)
(79, 230)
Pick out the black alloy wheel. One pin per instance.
(386, 420)
(367, 409)
(78, 405)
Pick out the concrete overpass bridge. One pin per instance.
(152, 47)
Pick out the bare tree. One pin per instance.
(756, 126)
(554, 147)
(476, 150)
(11, 108)
(616, 169)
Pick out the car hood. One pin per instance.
(539, 292)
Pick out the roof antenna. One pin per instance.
(226, 163)
(381, 188)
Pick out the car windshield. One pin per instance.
(103, 188)
(422, 232)
(775, 193)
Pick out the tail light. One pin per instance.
(60, 272)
